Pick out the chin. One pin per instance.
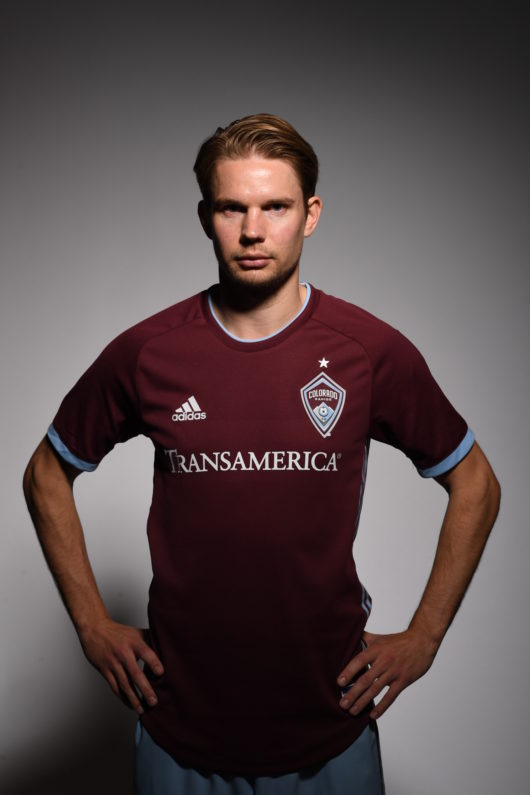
(258, 283)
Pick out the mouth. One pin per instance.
(253, 260)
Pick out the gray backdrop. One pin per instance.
(419, 115)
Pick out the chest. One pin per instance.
(303, 396)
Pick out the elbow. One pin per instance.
(487, 493)
(28, 482)
(487, 487)
(46, 477)
(494, 493)
(490, 486)
(474, 486)
(41, 476)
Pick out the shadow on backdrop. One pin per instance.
(95, 758)
(90, 744)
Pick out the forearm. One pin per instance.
(470, 515)
(399, 659)
(50, 500)
(114, 649)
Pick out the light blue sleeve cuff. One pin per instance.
(452, 460)
(65, 453)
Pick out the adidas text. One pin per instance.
(190, 415)
(190, 410)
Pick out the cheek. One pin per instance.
(226, 234)
(288, 235)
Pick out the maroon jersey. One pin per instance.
(260, 460)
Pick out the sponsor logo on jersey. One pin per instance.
(323, 400)
(248, 461)
(189, 411)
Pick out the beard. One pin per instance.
(245, 290)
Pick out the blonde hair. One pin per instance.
(262, 134)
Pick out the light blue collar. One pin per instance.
(270, 336)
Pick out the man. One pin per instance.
(261, 396)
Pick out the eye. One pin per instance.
(277, 207)
(230, 208)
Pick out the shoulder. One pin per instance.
(130, 342)
(379, 339)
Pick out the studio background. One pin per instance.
(420, 120)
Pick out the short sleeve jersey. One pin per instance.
(260, 456)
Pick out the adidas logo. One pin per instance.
(190, 410)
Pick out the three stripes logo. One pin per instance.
(190, 410)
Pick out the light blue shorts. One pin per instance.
(356, 771)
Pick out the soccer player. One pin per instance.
(261, 396)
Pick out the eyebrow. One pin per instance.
(223, 202)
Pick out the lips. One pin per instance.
(253, 260)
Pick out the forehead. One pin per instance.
(255, 177)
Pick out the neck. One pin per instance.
(251, 316)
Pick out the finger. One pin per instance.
(366, 700)
(355, 666)
(127, 691)
(148, 655)
(111, 679)
(362, 684)
(117, 689)
(142, 685)
(388, 699)
(137, 677)
(363, 692)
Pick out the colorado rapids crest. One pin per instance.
(323, 400)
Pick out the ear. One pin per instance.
(205, 218)
(314, 208)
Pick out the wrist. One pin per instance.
(430, 637)
(87, 623)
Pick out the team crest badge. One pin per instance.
(323, 400)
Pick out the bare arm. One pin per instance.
(399, 659)
(114, 649)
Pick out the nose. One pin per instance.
(252, 227)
